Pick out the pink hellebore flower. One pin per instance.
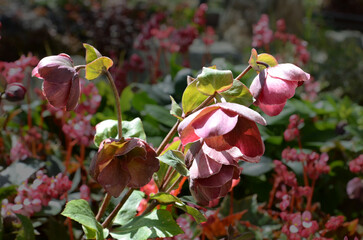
(61, 85)
(273, 86)
(119, 164)
(212, 172)
(223, 126)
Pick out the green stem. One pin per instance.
(174, 184)
(243, 73)
(117, 100)
(103, 207)
(167, 138)
(109, 219)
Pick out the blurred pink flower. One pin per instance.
(61, 85)
(274, 85)
(14, 92)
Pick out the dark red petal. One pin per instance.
(56, 93)
(74, 94)
(113, 179)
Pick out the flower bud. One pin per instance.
(14, 92)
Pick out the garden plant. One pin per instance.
(219, 153)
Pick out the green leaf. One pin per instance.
(80, 211)
(160, 114)
(126, 98)
(175, 110)
(158, 223)
(175, 159)
(129, 209)
(166, 198)
(192, 98)
(91, 53)
(7, 191)
(213, 80)
(238, 93)
(27, 231)
(108, 129)
(96, 67)
(253, 60)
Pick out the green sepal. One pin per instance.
(214, 80)
(192, 97)
(253, 60)
(238, 93)
(175, 110)
(91, 53)
(97, 66)
(175, 159)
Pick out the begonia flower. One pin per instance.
(119, 164)
(274, 85)
(212, 172)
(223, 126)
(14, 92)
(61, 85)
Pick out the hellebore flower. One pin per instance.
(61, 85)
(120, 164)
(14, 92)
(273, 86)
(223, 126)
(212, 172)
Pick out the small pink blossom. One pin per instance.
(275, 85)
(334, 222)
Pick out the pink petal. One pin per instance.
(288, 72)
(222, 157)
(185, 129)
(277, 91)
(243, 111)
(271, 109)
(56, 93)
(247, 138)
(257, 84)
(218, 180)
(215, 123)
(73, 94)
(203, 166)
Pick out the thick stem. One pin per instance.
(109, 219)
(174, 184)
(117, 101)
(101, 211)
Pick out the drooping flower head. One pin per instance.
(61, 81)
(223, 126)
(274, 85)
(120, 164)
(212, 172)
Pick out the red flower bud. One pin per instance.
(61, 85)
(15, 92)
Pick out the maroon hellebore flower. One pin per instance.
(223, 126)
(211, 172)
(14, 92)
(119, 164)
(274, 85)
(61, 85)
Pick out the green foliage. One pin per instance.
(80, 211)
(91, 53)
(158, 223)
(129, 209)
(192, 97)
(238, 93)
(27, 231)
(175, 159)
(166, 198)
